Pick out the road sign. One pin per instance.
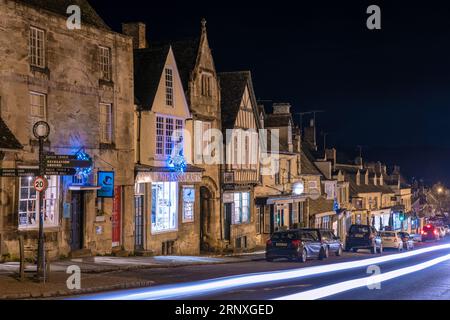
(40, 184)
(7, 172)
(66, 162)
(60, 172)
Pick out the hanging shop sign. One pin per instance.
(106, 182)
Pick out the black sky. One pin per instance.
(387, 90)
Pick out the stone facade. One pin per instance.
(72, 88)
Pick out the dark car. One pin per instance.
(430, 233)
(299, 245)
(408, 241)
(363, 237)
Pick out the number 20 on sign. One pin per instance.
(40, 184)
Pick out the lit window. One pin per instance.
(28, 203)
(37, 47)
(165, 129)
(169, 87)
(105, 63)
(241, 208)
(164, 206)
(188, 204)
(106, 125)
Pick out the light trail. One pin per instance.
(219, 284)
(334, 289)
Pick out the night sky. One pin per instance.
(386, 90)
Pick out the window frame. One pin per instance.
(162, 140)
(34, 50)
(169, 86)
(105, 67)
(110, 114)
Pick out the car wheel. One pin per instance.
(354, 250)
(339, 252)
(324, 253)
(303, 257)
(380, 250)
(373, 250)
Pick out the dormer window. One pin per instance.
(169, 87)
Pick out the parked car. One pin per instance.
(408, 241)
(447, 230)
(332, 242)
(417, 237)
(363, 237)
(430, 233)
(391, 240)
(298, 245)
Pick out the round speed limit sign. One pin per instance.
(40, 184)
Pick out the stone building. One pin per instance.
(81, 83)
(167, 207)
(240, 125)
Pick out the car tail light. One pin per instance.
(425, 233)
(436, 232)
(296, 243)
(269, 242)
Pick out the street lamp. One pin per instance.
(41, 131)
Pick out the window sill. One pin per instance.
(41, 70)
(157, 233)
(105, 83)
(107, 146)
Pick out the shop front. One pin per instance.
(380, 218)
(167, 211)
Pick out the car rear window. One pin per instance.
(388, 234)
(359, 229)
(285, 236)
(309, 236)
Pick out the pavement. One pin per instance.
(101, 274)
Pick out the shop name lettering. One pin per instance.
(177, 176)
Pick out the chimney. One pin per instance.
(310, 135)
(137, 30)
(330, 155)
(281, 108)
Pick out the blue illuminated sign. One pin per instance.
(106, 182)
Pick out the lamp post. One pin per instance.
(41, 131)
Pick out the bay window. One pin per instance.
(29, 204)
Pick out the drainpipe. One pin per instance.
(138, 147)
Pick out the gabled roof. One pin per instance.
(232, 85)
(148, 70)
(307, 166)
(186, 53)
(7, 139)
(88, 14)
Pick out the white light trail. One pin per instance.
(214, 285)
(334, 289)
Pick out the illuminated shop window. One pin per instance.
(28, 204)
(188, 204)
(164, 206)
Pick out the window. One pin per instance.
(164, 206)
(259, 219)
(188, 204)
(289, 171)
(206, 85)
(37, 47)
(169, 87)
(267, 221)
(207, 138)
(105, 63)
(106, 123)
(277, 173)
(38, 107)
(165, 128)
(241, 208)
(28, 204)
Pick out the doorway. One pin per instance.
(227, 221)
(117, 217)
(205, 218)
(139, 222)
(77, 214)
